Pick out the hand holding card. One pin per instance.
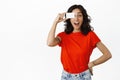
(69, 15)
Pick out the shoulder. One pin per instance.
(92, 33)
(61, 34)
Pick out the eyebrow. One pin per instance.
(79, 12)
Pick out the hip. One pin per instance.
(85, 75)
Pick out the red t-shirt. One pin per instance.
(76, 49)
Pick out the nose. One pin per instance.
(76, 17)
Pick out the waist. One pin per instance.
(77, 74)
(74, 69)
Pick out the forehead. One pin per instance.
(76, 11)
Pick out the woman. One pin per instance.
(77, 42)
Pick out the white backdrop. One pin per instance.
(24, 26)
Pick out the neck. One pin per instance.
(76, 31)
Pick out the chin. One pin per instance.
(77, 27)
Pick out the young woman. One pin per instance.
(77, 42)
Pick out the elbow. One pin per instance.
(50, 44)
(109, 56)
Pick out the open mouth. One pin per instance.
(76, 23)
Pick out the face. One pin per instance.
(77, 20)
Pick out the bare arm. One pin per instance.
(52, 40)
(106, 55)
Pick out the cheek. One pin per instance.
(81, 20)
(71, 20)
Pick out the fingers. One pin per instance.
(90, 65)
(60, 17)
(91, 71)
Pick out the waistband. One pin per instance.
(77, 74)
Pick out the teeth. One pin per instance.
(76, 22)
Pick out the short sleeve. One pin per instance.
(94, 39)
(61, 36)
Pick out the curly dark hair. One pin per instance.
(85, 27)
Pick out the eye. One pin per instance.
(79, 15)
